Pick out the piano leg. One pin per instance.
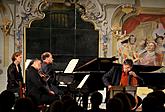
(85, 100)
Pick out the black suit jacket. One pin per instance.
(49, 70)
(113, 76)
(34, 85)
(14, 77)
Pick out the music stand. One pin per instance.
(66, 77)
(119, 89)
(131, 90)
(83, 81)
(27, 62)
(81, 84)
(71, 66)
(116, 89)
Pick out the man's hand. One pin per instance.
(109, 87)
(51, 93)
(132, 73)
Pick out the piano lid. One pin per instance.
(159, 70)
(96, 64)
(146, 68)
(154, 80)
(104, 64)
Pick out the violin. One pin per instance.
(44, 78)
(22, 90)
(43, 75)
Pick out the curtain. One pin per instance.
(131, 23)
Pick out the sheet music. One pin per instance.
(27, 63)
(72, 64)
(83, 81)
(143, 91)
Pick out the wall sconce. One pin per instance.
(119, 34)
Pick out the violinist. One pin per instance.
(35, 88)
(14, 74)
(44, 78)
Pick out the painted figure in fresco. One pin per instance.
(150, 57)
(133, 48)
(164, 53)
(160, 49)
(123, 50)
(159, 37)
(14, 74)
(128, 49)
(142, 46)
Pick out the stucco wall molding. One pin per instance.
(28, 11)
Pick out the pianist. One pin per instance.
(48, 69)
(36, 87)
(121, 75)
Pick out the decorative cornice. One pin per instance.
(30, 10)
(94, 12)
(154, 11)
(6, 18)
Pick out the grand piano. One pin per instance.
(149, 76)
(95, 68)
(152, 76)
